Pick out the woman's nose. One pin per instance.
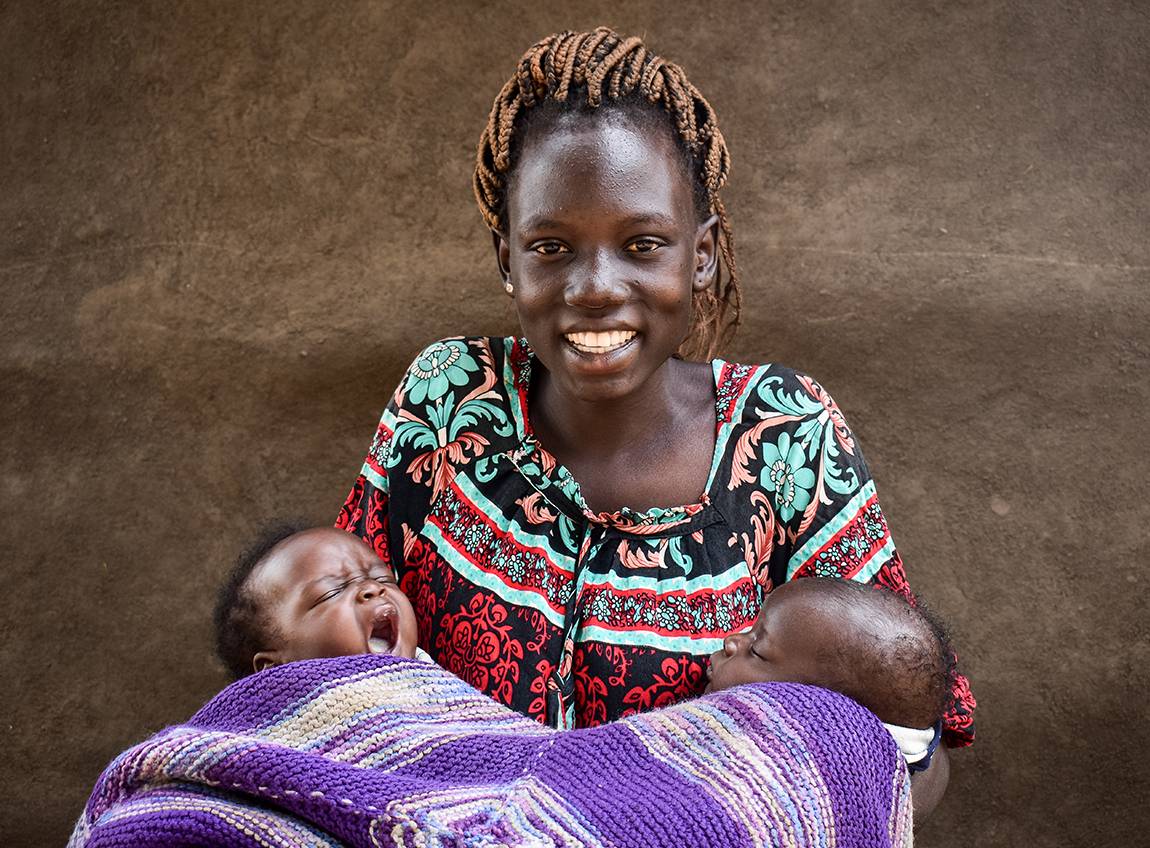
(595, 284)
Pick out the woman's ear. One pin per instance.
(706, 253)
(266, 659)
(502, 255)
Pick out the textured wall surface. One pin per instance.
(225, 228)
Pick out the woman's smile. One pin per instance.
(598, 354)
(596, 343)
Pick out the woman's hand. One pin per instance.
(927, 787)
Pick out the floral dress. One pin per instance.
(576, 617)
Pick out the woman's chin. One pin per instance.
(600, 377)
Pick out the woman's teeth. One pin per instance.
(599, 342)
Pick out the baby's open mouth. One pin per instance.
(384, 633)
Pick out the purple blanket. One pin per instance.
(382, 751)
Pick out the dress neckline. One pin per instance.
(532, 456)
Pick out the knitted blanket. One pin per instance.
(384, 751)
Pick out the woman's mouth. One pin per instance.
(383, 635)
(599, 343)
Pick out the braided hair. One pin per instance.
(575, 72)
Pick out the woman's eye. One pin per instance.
(644, 245)
(549, 248)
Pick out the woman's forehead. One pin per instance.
(611, 164)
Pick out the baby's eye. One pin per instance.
(549, 248)
(385, 580)
(331, 593)
(756, 654)
(644, 245)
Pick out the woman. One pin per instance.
(582, 515)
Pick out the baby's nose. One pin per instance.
(368, 589)
(731, 644)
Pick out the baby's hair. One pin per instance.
(905, 678)
(580, 72)
(242, 628)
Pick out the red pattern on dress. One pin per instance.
(679, 678)
(477, 642)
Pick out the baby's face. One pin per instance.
(326, 594)
(785, 643)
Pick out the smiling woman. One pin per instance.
(582, 515)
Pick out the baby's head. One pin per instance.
(303, 594)
(867, 643)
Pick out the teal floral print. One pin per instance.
(446, 434)
(786, 474)
(440, 366)
(813, 409)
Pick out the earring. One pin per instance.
(507, 287)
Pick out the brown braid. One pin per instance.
(608, 66)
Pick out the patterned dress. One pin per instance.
(574, 617)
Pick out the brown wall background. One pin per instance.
(226, 228)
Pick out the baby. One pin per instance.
(322, 592)
(867, 643)
(304, 594)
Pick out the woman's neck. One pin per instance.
(571, 427)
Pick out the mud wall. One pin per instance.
(227, 227)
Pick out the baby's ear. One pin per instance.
(265, 659)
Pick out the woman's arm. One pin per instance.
(927, 787)
(958, 720)
(834, 523)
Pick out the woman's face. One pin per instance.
(605, 252)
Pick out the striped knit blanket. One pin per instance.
(382, 751)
